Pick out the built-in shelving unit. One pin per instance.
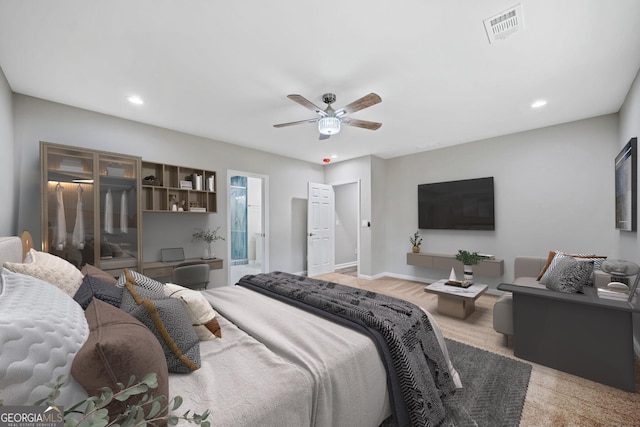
(487, 267)
(178, 189)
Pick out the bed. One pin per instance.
(275, 365)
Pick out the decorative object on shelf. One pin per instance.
(620, 271)
(468, 259)
(208, 236)
(452, 275)
(186, 185)
(416, 241)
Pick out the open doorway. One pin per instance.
(347, 230)
(247, 207)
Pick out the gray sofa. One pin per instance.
(526, 270)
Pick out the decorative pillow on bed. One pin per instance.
(202, 315)
(118, 347)
(41, 330)
(50, 268)
(169, 322)
(92, 286)
(569, 275)
(91, 270)
(140, 280)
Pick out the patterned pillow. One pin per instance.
(554, 256)
(41, 330)
(169, 322)
(139, 280)
(202, 315)
(92, 287)
(568, 275)
(50, 268)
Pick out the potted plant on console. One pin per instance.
(208, 236)
(468, 259)
(416, 241)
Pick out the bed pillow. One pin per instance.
(202, 315)
(92, 286)
(139, 280)
(167, 318)
(41, 330)
(91, 270)
(569, 275)
(118, 347)
(50, 268)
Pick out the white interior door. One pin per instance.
(320, 229)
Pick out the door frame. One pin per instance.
(358, 214)
(265, 217)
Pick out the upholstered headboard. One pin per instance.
(10, 249)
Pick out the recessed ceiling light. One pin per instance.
(334, 156)
(539, 103)
(135, 99)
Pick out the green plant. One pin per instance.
(207, 235)
(468, 258)
(92, 412)
(416, 240)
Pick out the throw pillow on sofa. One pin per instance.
(569, 275)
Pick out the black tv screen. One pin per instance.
(457, 205)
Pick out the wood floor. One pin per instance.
(554, 398)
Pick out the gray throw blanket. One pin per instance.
(417, 372)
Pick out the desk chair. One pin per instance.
(191, 276)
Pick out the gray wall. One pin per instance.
(8, 213)
(37, 120)
(553, 190)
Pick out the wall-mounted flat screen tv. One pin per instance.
(457, 205)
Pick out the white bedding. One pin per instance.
(346, 377)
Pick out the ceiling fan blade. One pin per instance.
(365, 124)
(359, 104)
(323, 136)
(299, 122)
(307, 104)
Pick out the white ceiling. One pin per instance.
(222, 69)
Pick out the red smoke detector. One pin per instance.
(326, 160)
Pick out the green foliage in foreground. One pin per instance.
(92, 412)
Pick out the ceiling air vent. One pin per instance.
(504, 24)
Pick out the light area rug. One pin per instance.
(553, 398)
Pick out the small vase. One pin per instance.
(416, 249)
(468, 273)
(209, 254)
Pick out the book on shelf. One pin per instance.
(197, 209)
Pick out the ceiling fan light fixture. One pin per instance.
(329, 125)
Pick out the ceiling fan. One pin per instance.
(330, 120)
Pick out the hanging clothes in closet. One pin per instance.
(61, 221)
(124, 228)
(108, 213)
(77, 238)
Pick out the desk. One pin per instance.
(581, 334)
(157, 269)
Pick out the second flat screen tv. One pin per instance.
(457, 205)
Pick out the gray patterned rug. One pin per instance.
(494, 388)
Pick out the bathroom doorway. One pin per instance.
(247, 208)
